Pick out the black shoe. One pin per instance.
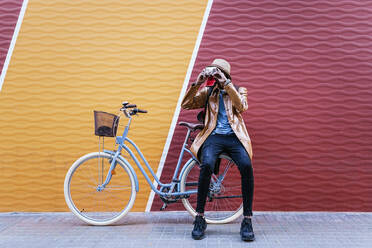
(246, 230)
(199, 227)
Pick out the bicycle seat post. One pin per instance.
(191, 127)
(187, 137)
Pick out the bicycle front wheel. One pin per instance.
(224, 201)
(89, 201)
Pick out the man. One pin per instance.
(224, 131)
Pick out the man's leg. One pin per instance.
(211, 149)
(243, 161)
(209, 153)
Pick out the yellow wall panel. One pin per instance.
(72, 57)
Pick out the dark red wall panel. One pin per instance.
(307, 66)
(9, 10)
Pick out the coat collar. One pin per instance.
(216, 90)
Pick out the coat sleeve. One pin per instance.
(238, 98)
(193, 98)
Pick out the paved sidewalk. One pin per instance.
(172, 229)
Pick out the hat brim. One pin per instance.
(222, 69)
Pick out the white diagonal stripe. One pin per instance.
(178, 107)
(12, 43)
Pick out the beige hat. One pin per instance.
(222, 65)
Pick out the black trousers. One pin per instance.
(213, 146)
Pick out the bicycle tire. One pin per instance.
(213, 215)
(80, 212)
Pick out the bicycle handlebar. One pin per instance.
(134, 110)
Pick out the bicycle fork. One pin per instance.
(109, 173)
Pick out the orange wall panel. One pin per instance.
(72, 57)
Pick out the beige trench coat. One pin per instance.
(235, 103)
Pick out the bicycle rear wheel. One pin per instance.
(89, 202)
(224, 201)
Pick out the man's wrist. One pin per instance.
(228, 81)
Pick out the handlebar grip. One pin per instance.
(141, 111)
(136, 110)
(131, 106)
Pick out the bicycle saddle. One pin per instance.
(192, 126)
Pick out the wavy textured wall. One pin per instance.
(307, 66)
(72, 57)
(9, 10)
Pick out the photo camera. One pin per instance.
(209, 71)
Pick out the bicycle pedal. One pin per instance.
(163, 207)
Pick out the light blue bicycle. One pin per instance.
(100, 192)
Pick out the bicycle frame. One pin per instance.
(120, 140)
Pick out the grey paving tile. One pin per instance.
(173, 229)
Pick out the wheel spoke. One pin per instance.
(221, 177)
(117, 187)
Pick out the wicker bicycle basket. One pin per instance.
(105, 124)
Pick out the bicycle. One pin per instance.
(100, 193)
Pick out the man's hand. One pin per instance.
(220, 77)
(201, 78)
